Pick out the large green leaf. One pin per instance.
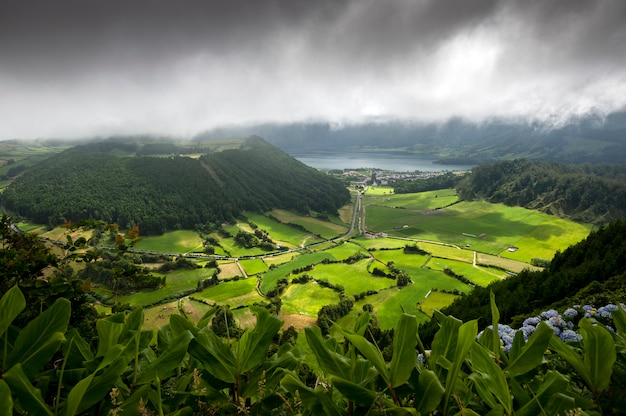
(599, 353)
(495, 319)
(11, 304)
(444, 344)
(619, 320)
(26, 394)
(109, 331)
(572, 357)
(318, 401)
(428, 393)
(466, 338)
(531, 354)
(168, 361)
(216, 357)
(255, 343)
(362, 396)
(489, 379)
(41, 338)
(553, 383)
(370, 351)
(6, 401)
(331, 362)
(404, 354)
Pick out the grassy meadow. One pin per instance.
(472, 239)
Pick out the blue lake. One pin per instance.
(396, 161)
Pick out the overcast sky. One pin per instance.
(83, 68)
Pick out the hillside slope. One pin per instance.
(600, 258)
(109, 182)
(586, 193)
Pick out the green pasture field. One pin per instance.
(436, 300)
(157, 316)
(478, 276)
(380, 242)
(399, 258)
(447, 251)
(514, 266)
(422, 201)
(278, 259)
(236, 251)
(272, 276)
(176, 282)
(345, 212)
(253, 266)
(346, 249)
(245, 317)
(379, 190)
(307, 299)
(353, 277)
(485, 227)
(325, 229)
(235, 293)
(280, 233)
(174, 242)
(390, 304)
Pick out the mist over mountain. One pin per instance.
(591, 138)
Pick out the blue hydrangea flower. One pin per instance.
(570, 313)
(569, 335)
(534, 321)
(527, 331)
(557, 321)
(549, 314)
(587, 307)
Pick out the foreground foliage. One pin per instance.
(46, 369)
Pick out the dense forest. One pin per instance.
(592, 271)
(108, 181)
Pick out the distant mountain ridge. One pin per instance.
(587, 139)
(108, 181)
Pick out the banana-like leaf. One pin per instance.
(26, 394)
(180, 324)
(331, 362)
(404, 354)
(11, 304)
(109, 331)
(495, 319)
(489, 379)
(428, 392)
(361, 323)
(466, 338)
(41, 338)
(619, 320)
(168, 361)
(362, 396)
(572, 357)
(318, 401)
(370, 351)
(255, 343)
(444, 344)
(216, 357)
(552, 384)
(599, 350)
(6, 401)
(530, 355)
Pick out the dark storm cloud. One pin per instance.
(100, 67)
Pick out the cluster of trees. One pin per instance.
(260, 238)
(580, 273)
(161, 194)
(586, 193)
(446, 181)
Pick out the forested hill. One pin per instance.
(586, 193)
(108, 181)
(590, 272)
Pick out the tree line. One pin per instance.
(163, 194)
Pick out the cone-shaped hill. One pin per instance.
(110, 181)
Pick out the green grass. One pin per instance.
(480, 276)
(325, 229)
(253, 266)
(174, 242)
(353, 277)
(177, 282)
(346, 249)
(272, 276)
(281, 233)
(307, 299)
(423, 201)
(436, 300)
(236, 293)
(378, 243)
(390, 304)
(485, 227)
